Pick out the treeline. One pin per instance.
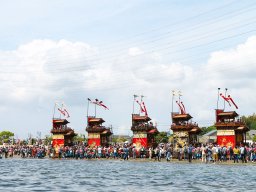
(250, 121)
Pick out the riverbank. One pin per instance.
(140, 160)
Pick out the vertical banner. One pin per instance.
(94, 142)
(57, 142)
(226, 140)
(140, 142)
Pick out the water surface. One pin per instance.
(117, 175)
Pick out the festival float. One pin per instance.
(231, 131)
(98, 135)
(144, 131)
(185, 131)
(62, 135)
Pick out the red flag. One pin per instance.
(141, 107)
(226, 99)
(61, 111)
(145, 109)
(66, 113)
(232, 101)
(101, 104)
(181, 109)
(184, 110)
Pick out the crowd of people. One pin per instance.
(215, 153)
(204, 153)
(23, 151)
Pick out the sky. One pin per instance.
(67, 51)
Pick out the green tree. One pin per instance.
(5, 136)
(207, 129)
(119, 140)
(162, 137)
(47, 140)
(254, 138)
(79, 138)
(250, 121)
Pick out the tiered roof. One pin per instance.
(95, 126)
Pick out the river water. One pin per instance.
(117, 175)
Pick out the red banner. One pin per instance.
(139, 142)
(57, 142)
(94, 141)
(226, 140)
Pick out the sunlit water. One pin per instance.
(117, 175)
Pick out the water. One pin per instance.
(117, 175)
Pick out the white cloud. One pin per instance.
(134, 51)
(42, 71)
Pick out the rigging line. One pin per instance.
(166, 48)
(194, 27)
(178, 22)
(183, 39)
(119, 50)
(127, 83)
(217, 9)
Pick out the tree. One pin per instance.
(79, 138)
(5, 136)
(119, 140)
(162, 137)
(207, 129)
(250, 121)
(47, 140)
(254, 138)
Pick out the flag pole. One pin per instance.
(54, 110)
(141, 99)
(61, 109)
(172, 100)
(179, 96)
(87, 113)
(226, 89)
(218, 98)
(134, 96)
(95, 110)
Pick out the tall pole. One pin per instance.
(54, 110)
(87, 113)
(61, 109)
(134, 96)
(226, 89)
(173, 93)
(179, 96)
(95, 110)
(141, 99)
(218, 98)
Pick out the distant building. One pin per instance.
(210, 137)
(251, 133)
(125, 137)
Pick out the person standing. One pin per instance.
(242, 153)
(236, 153)
(215, 153)
(133, 152)
(190, 150)
(168, 153)
(126, 153)
(150, 152)
(203, 153)
(180, 153)
(99, 152)
(185, 152)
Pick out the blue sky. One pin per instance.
(70, 50)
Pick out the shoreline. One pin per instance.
(138, 160)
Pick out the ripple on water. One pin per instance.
(116, 175)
